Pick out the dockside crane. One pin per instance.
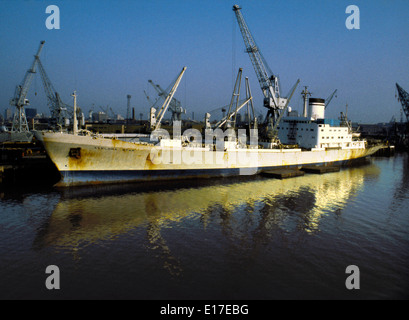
(149, 100)
(61, 113)
(19, 101)
(269, 82)
(403, 136)
(174, 105)
(403, 98)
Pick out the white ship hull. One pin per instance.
(83, 160)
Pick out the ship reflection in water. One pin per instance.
(248, 212)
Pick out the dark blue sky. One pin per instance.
(106, 49)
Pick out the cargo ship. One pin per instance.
(91, 159)
(286, 140)
(84, 158)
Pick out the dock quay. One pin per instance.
(25, 163)
(4, 169)
(34, 169)
(387, 151)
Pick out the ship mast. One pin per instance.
(75, 122)
(305, 93)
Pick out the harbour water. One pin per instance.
(244, 238)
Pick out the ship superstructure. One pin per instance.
(314, 131)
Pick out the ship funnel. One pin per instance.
(316, 108)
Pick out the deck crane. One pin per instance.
(174, 105)
(403, 97)
(20, 96)
(274, 131)
(228, 117)
(61, 113)
(269, 83)
(330, 98)
(155, 124)
(235, 104)
(223, 109)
